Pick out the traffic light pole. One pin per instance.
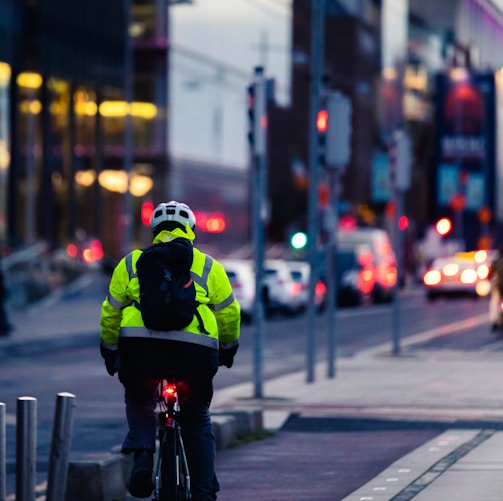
(333, 223)
(258, 150)
(397, 242)
(317, 46)
(400, 168)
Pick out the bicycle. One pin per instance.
(172, 479)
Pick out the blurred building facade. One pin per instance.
(442, 41)
(76, 158)
(58, 66)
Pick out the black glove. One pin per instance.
(226, 356)
(111, 359)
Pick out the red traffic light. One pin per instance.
(146, 212)
(322, 121)
(403, 223)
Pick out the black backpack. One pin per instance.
(167, 292)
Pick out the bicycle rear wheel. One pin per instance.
(169, 466)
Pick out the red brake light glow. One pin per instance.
(296, 288)
(72, 250)
(320, 288)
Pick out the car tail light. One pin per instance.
(320, 288)
(93, 253)
(366, 280)
(72, 250)
(391, 274)
(468, 276)
(432, 277)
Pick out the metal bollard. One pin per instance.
(60, 447)
(26, 448)
(3, 454)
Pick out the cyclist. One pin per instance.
(142, 356)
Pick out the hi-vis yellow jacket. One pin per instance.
(219, 310)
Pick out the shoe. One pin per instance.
(140, 482)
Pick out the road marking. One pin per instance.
(443, 330)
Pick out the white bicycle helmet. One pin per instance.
(173, 211)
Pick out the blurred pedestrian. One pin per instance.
(5, 326)
(496, 276)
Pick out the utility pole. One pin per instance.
(317, 64)
(257, 112)
(400, 167)
(127, 209)
(337, 156)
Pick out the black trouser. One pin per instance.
(199, 441)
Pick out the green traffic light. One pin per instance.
(298, 240)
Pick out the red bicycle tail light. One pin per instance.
(169, 389)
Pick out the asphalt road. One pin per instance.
(342, 458)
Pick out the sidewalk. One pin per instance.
(462, 390)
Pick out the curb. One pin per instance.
(103, 477)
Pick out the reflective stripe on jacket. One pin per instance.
(218, 308)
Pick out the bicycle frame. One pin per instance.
(172, 467)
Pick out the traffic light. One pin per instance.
(251, 114)
(403, 223)
(321, 127)
(147, 208)
(257, 113)
(339, 130)
(298, 240)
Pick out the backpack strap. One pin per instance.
(201, 328)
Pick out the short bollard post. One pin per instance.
(60, 448)
(26, 448)
(3, 454)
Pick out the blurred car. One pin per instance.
(283, 293)
(300, 272)
(86, 253)
(383, 258)
(464, 273)
(242, 279)
(355, 276)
